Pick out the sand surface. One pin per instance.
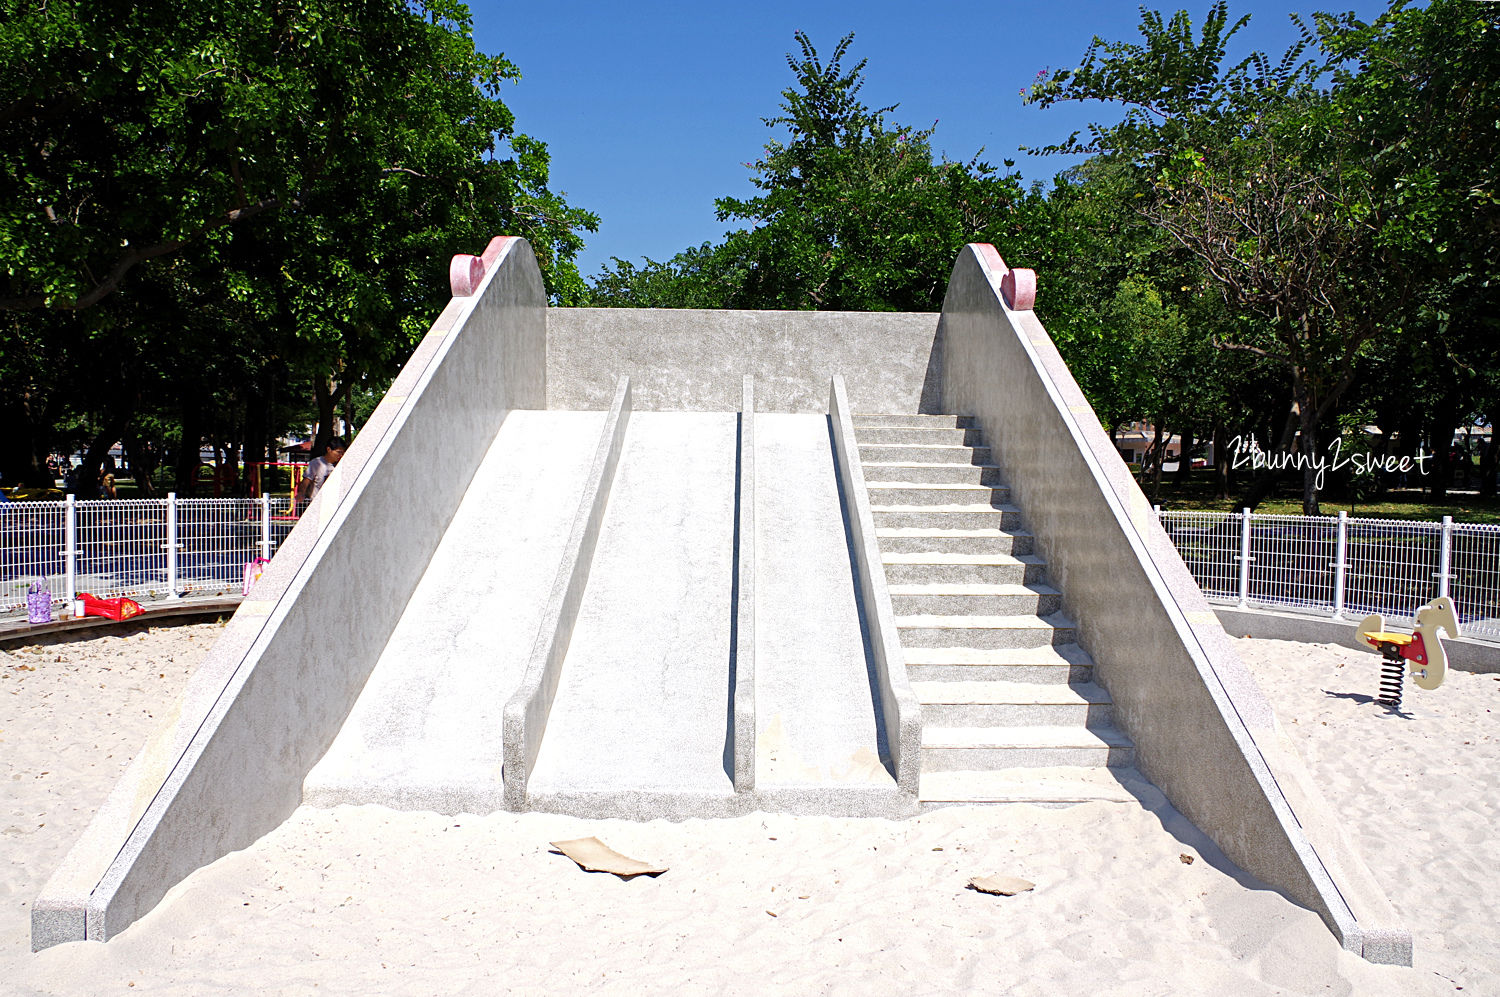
(369, 900)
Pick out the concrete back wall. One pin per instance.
(1203, 731)
(695, 361)
(273, 692)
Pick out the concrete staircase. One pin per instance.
(1009, 711)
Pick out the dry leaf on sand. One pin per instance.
(593, 855)
(1005, 886)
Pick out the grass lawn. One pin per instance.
(1198, 495)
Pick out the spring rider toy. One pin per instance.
(1421, 652)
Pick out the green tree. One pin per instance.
(1246, 167)
(301, 171)
(853, 214)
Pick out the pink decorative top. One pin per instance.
(464, 274)
(495, 248)
(1019, 288)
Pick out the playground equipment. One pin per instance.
(1420, 651)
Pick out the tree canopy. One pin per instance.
(207, 207)
(854, 213)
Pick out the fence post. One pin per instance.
(265, 525)
(1244, 557)
(70, 547)
(171, 544)
(1340, 565)
(1445, 555)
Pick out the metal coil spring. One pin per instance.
(1391, 675)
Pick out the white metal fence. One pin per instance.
(1342, 567)
(149, 550)
(155, 550)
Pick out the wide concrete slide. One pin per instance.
(269, 698)
(426, 733)
(505, 597)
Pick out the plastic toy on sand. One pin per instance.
(1421, 651)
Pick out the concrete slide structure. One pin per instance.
(644, 563)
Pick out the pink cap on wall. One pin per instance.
(1019, 288)
(464, 274)
(990, 257)
(495, 248)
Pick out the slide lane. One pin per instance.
(817, 738)
(426, 730)
(640, 723)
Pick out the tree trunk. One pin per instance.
(1158, 452)
(326, 394)
(1444, 416)
(1487, 458)
(1264, 483)
(186, 459)
(20, 463)
(142, 464)
(1185, 458)
(1221, 463)
(93, 458)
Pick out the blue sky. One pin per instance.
(649, 108)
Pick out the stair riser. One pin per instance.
(881, 494)
(986, 638)
(939, 474)
(970, 437)
(1042, 674)
(972, 759)
(983, 519)
(1012, 545)
(914, 421)
(925, 455)
(1016, 573)
(1016, 714)
(976, 605)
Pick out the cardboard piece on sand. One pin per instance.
(593, 855)
(1004, 886)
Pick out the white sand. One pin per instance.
(369, 900)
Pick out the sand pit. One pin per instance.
(364, 899)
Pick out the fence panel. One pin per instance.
(1475, 579)
(31, 548)
(1393, 567)
(215, 539)
(122, 549)
(1292, 561)
(1209, 543)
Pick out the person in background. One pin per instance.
(318, 470)
(107, 479)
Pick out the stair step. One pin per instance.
(920, 435)
(995, 703)
(887, 493)
(1053, 663)
(949, 517)
(911, 539)
(861, 420)
(922, 567)
(1047, 786)
(947, 749)
(954, 599)
(994, 632)
(932, 472)
(948, 453)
